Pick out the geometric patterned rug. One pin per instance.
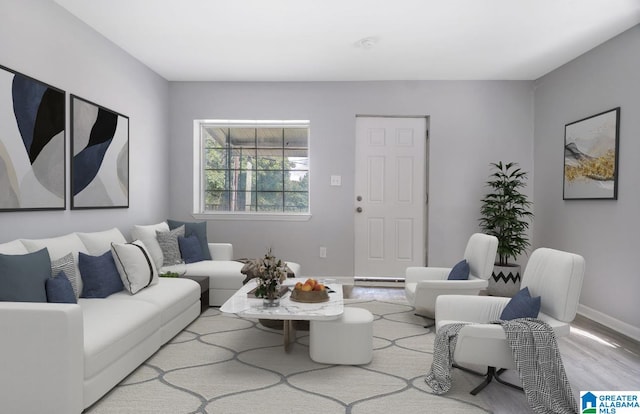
(225, 364)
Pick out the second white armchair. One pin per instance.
(424, 284)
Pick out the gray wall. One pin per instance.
(471, 125)
(604, 232)
(44, 41)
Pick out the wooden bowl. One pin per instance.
(313, 296)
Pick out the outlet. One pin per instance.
(323, 252)
(336, 180)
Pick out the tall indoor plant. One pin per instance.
(506, 214)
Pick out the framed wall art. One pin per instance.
(591, 157)
(99, 156)
(32, 144)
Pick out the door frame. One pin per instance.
(427, 164)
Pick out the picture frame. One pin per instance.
(591, 157)
(99, 156)
(32, 144)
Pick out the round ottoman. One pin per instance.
(347, 340)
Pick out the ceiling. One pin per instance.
(339, 40)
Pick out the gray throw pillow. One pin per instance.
(23, 276)
(168, 241)
(67, 265)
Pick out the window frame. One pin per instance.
(198, 211)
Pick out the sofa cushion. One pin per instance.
(59, 289)
(190, 249)
(199, 229)
(98, 242)
(113, 327)
(67, 265)
(13, 247)
(168, 241)
(135, 266)
(225, 274)
(100, 277)
(23, 276)
(171, 295)
(59, 247)
(147, 235)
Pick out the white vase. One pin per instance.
(505, 280)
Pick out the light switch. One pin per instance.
(336, 180)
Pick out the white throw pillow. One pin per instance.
(99, 242)
(135, 265)
(147, 235)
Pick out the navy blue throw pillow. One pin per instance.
(190, 249)
(522, 305)
(100, 277)
(460, 271)
(59, 289)
(199, 229)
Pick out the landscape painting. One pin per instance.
(591, 157)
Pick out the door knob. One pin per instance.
(359, 198)
(359, 209)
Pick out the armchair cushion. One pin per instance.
(460, 271)
(522, 305)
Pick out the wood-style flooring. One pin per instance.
(595, 358)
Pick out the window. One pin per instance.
(253, 167)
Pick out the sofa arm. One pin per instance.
(478, 309)
(221, 251)
(41, 357)
(416, 274)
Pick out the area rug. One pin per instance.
(228, 364)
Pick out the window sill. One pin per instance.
(252, 216)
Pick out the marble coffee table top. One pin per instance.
(243, 305)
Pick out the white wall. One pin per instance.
(472, 124)
(42, 40)
(605, 232)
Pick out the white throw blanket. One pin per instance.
(535, 351)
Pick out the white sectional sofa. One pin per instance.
(61, 358)
(224, 273)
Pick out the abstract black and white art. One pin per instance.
(100, 156)
(32, 140)
(591, 157)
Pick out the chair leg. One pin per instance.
(429, 324)
(489, 376)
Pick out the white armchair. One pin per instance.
(424, 284)
(554, 275)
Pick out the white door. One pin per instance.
(390, 199)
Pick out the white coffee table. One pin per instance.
(242, 305)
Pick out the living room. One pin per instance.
(472, 123)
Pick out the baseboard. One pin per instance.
(393, 282)
(610, 322)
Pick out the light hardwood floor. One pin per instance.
(595, 358)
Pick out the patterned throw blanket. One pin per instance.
(537, 359)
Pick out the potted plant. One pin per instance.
(506, 214)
